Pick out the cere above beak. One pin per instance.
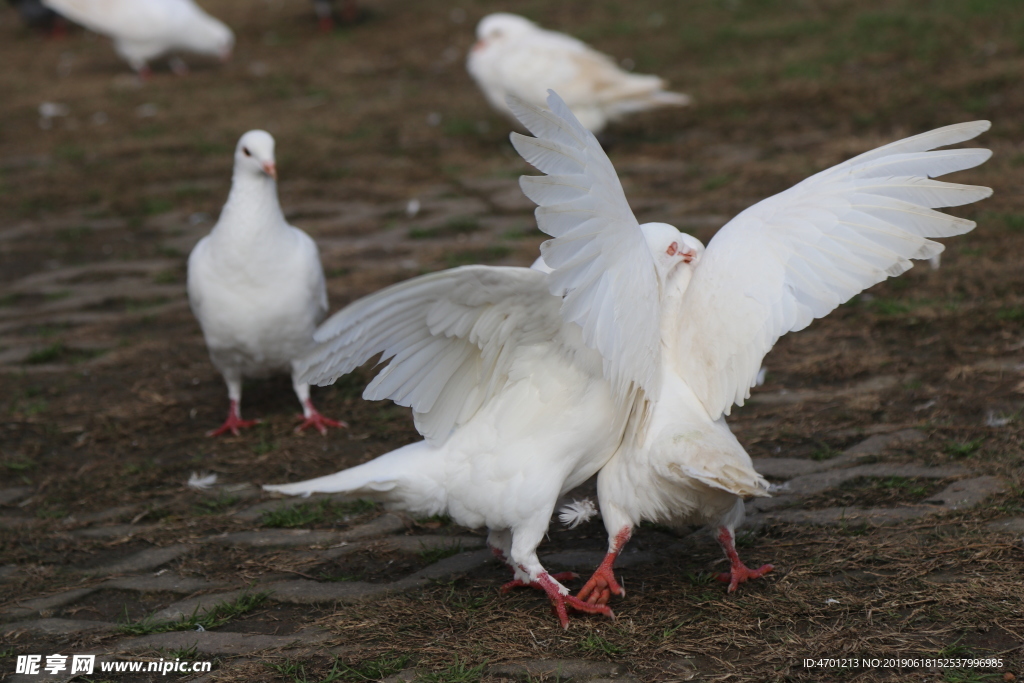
(270, 169)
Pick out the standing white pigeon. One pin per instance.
(513, 406)
(513, 56)
(145, 29)
(691, 326)
(256, 286)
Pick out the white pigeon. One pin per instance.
(256, 285)
(691, 326)
(513, 406)
(145, 29)
(514, 56)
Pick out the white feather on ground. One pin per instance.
(691, 326)
(145, 29)
(514, 56)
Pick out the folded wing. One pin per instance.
(449, 340)
(603, 269)
(798, 255)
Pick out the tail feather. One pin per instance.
(397, 478)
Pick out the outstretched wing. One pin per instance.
(603, 269)
(448, 339)
(796, 256)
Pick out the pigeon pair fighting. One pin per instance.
(513, 56)
(626, 357)
(143, 30)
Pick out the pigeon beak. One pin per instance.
(479, 45)
(225, 56)
(270, 169)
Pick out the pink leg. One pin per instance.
(517, 583)
(326, 24)
(233, 423)
(602, 585)
(739, 573)
(313, 418)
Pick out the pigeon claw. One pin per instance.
(560, 602)
(600, 588)
(742, 574)
(233, 423)
(313, 418)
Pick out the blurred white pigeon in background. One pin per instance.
(514, 56)
(513, 406)
(145, 29)
(691, 326)
(256, 286)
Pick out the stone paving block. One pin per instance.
(279, 538)
(27, 608)
(13, 495)
(563, 670)
(1014, 525)
(838, 516)
(218, 642)
(167, 582)
(788, 468)
(58, 626)
(588, 560)
(200, 604)
(419, 543)
(810, 484)
(115, 531)
(145, 560)
(965, 494)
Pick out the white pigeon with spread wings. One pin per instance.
(145, 29)
(691, 326)
(256, 286)
(513, 56)
(513, 406)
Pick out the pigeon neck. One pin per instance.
(252, 204)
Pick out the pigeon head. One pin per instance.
(502, 26)
(209, 36)
(670, 248)
(255, 154)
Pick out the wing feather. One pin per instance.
(601, 265)
(448, 340)
(798, 255)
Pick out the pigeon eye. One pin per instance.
(246, 152)
(672, 249)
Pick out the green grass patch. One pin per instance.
(218, 615)
(372, 669)
(313, 513)
(963, 449)
(438, 553)
(458, 672)
(58, 352)
(215, 506)
(594, 644)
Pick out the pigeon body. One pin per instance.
(690, 326)
(256, 285)
(513, 56)
(145, 29)
(514, 408)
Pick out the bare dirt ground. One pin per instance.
(896, 421)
